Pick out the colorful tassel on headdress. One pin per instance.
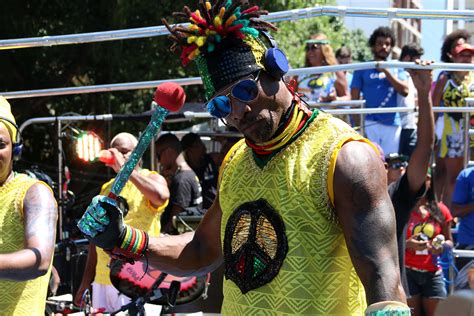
(211, 24)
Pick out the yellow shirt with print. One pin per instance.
(317, 276)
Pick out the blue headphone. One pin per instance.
(18, 145)
(275, 64)
(275, 61)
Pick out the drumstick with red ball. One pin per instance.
(169, 97)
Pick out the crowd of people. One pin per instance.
(444, 201)
(304, 214)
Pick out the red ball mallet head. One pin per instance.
(170, 96)
(106, 157)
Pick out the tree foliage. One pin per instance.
(111, 62)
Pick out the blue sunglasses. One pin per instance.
(245, 90)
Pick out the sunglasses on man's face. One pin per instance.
(245, 90)
(398, 165)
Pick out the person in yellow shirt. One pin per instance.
(147, 195)
(28, 216)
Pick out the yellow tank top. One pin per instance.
(18, 297)
(454, 92)
(141, 214)
(317, 276)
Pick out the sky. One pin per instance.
(432, 30)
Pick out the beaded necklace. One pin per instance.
(293, 123)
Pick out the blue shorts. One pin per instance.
(426, 284)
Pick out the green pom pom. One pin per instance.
(245, 23)
(249, 31)
(210, 47)
(237, 13)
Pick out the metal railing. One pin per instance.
(457, 253)
(288, 15)
(197, 80)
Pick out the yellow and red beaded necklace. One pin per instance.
(294, 122)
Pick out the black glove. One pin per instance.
(102, 223)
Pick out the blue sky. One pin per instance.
(432, 31)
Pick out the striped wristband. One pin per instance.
(133, 245)
(388, 308)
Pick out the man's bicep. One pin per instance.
(158, 179)
(359, 167)
(360, 185)
(40, 213)
(366, 215)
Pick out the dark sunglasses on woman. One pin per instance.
(312, 46)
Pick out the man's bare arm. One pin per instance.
(40, 214)
(153, 187)
(401, 86)
(355, 94)
(366, 214)
(420, 159)
(190, 253)
(342, 89)
(459, 210)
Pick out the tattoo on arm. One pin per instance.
(367, 219)
(40, 213)
(37, 255)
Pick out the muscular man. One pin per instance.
(302, 220)
(147, 195)
(28, 215)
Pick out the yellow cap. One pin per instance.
(6, 114)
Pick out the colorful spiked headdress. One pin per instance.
(224, 40)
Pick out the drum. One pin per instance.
(136, 280)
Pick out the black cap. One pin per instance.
(189, 139)
(395, 157)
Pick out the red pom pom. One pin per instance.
(106, 157)
(170, 96)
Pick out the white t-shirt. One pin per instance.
(408, 120)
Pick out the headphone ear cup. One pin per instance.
(17, 148)
(276, 63)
